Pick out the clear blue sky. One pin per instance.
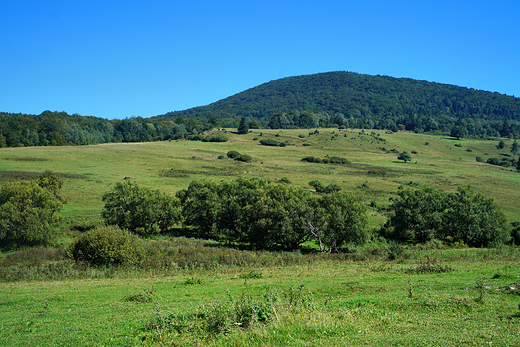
(117, 59)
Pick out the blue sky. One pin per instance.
(117, 59)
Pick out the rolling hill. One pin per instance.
(367, 101)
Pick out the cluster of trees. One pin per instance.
(269, 216)
(427, 213)
(370, 102)
(255, 212)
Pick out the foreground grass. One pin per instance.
(424, 298)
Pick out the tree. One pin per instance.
(345, 220)
(458, 131)
(280, 217)
(243, 127)
(518, 165)
(140, 210)
(417, 214)
(514, 149)
(404, 156)
(29, 214)
(254, 124)
(201, 206)
(475, 219)
(501, 144)
(427, 213)
(52, 182)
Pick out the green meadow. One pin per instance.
(193, 292)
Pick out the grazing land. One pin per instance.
(196, 292)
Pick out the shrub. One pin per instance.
(339, 160)
(107, 245)
(312, 159)
(494, 161)
(194, 137)
(427, 213)
(285, 180)
(306, 144)
(215, 138)
(232, 154)
(479, 159)
(52, 182)
(317, 185)
(244, 158)
(269, 142)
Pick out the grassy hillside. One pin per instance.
(374, 172)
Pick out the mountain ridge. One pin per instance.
(352, 94)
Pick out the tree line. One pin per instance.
(333, 99)
(59, 128)
(260, 214)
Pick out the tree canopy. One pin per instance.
(29, 214)
(426, 213)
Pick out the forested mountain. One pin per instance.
(327, 99)
(356, 100)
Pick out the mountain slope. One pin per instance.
(376, 100)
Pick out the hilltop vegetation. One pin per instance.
(370, 102)
(333, 99)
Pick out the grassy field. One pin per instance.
(472, 301)
(373, 173)
(193, 292)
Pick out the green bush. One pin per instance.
(311, 159)
(232, 154)
(107, 245)
(269, 142)
(339, 160)
(215, 138)
(494, 161)
(244, 158)
(427, 213)
(194, 137)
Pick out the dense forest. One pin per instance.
(372, 102)
(326, 99)
(60, 128)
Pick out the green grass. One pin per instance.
(425, 297)
(324, 302)
(439, 163)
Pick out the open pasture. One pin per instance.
(374, 171)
